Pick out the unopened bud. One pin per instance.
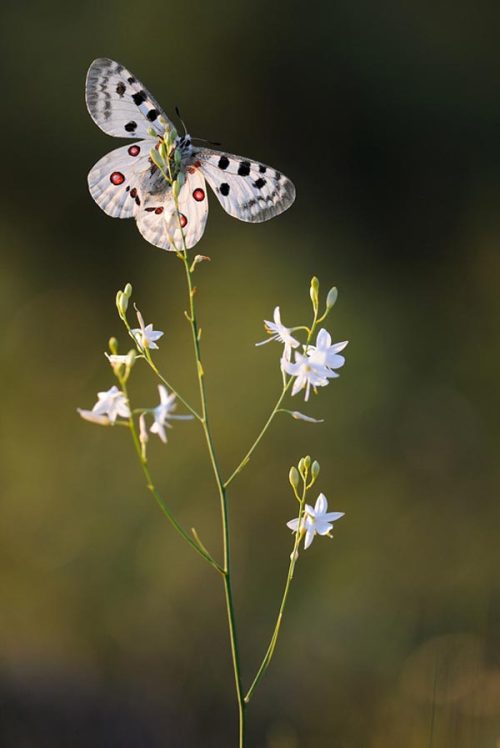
(162, 150)
(315, 470)
(302, 467)
(128, 290)
(293, 477)
(131, 356)
(177, 157)
(331, 298)
(314, 293)
(307, 462)
(156, 158)
(121, 303)
(113, 345)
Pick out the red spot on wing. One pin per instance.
(133, 192)
(117, 178)
(158, 211)
(134, 150)
(182, 220)
(199, 194)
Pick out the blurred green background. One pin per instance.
(113, 633)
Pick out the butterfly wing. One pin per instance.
(120, 181)
(153, 217)
(193, 210)
(118, 103)
(246, 189)
(159, 222)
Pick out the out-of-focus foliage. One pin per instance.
(386, 117)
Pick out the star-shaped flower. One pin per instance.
(145, 335)
(315, 521)
(325, 353)
(112, 404)
(316, 365)
(279, 332)
(307, 372)
(164, 412)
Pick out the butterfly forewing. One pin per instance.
(246, 189)
(119, 103)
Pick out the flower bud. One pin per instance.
(314, 293)
(331, 298)
(128, 290)
(315, 470)
(302, 467)
(179, 182)
(131, 356)
(162, 150)
(307, 462)
(177, 157)
(156, 158)
(113, 345)
(293, 477)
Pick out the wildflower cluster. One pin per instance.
(309, 360)
(316, 364)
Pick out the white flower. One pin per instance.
(279, 332)
(112, 404)
(307, 373)
(145, 336)
(88, 415)
(325, 353)
(301, 417)
(315, 521)
(316, 365)
(164, 412)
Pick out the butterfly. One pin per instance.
(126, 183)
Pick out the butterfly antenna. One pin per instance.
(178, 113)
(207, 142)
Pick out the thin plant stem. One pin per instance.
(274, 638)
(226, 575)
(259, 438)
(275, 410)
(146, 354)
(198, 547)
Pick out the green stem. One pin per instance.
(144, 352)
(274, 638)
(201, 550)
(223, 505)
(259, 438)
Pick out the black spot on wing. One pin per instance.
(131, 126)
(223, 162)
(224, 189)
(259, 183)
(121, 88)
(262, 169)
(152, 115)
(244, 168)
(139, 98)
(131, 79)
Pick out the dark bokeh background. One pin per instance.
(386, 115)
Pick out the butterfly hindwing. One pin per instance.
(246, 189)
(118, 103)
(120, 180)
(153, 217)
(193, 210)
